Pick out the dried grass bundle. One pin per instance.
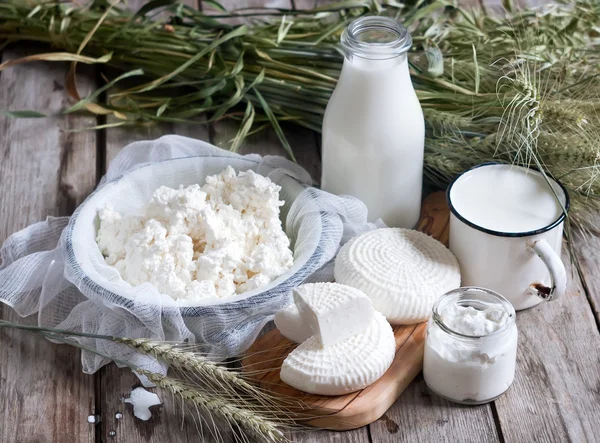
(519, 86)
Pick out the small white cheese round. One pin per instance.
(403, 271)
(344, 367)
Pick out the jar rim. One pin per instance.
(398, 39)
(465, 290)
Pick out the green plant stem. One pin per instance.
(489, 71)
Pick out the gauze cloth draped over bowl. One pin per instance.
(56, 269)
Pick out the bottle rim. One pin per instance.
(462, 294)
(376, 38)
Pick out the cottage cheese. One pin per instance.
(201, 242)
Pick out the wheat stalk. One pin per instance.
(241, 418)
(208, 370)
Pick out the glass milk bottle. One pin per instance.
(373, 129)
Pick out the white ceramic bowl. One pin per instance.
(86, 266)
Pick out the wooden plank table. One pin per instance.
(45, 397)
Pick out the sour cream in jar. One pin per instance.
(471, 346)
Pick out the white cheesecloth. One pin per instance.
(55, 269)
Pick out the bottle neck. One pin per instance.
(398, 63)
(377, 79)
(375, 38)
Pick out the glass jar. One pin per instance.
(373, 127)
(471, 346)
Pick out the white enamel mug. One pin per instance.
(525, 267)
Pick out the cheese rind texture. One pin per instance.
(347, 366)
(403, 272)
(333, 312)
(291, 325)
(201, 242)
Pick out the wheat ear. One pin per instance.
(199, 365)
(242, 418)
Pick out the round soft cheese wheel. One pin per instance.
(403, 271)
(343, 367)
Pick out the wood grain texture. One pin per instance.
(44, 170)
(167, 424)
(421, 416)
(235, 5)
(119, 137)
(556, 393)
(44, 397)
(310, 4)
(587, 248)
(306, 148)
(303, 141)
(317, 436)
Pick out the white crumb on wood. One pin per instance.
(142, 400)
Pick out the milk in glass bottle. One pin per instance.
(373, 129)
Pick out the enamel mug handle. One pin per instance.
(558, 273)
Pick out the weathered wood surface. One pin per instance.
(556, 393)
(44, 170)
(44, 397)
(587, 248)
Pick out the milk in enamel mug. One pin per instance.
(506, 199)
(506, 227)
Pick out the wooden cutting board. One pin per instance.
(265, 356)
